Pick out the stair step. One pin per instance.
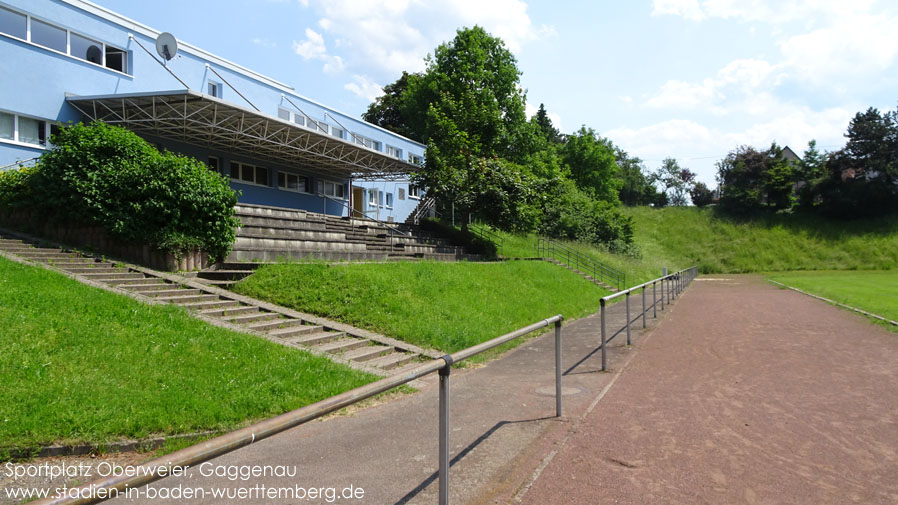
(115, 276)
(294, 331)
(170, 293)
(217, 304)
(182, 299)
(274, 324)
(246, 309)
(392, 360)
(145, 288)
(252, 317)
(342, 345)
(367, 353)
(102, 269)
(315, 338)
(119, 281)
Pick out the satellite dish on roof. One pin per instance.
(166, 46)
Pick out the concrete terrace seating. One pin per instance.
(275, 233)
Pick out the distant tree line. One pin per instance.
(858, 180)
(486, 160)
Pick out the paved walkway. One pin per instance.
(503, 424)
(746, 394)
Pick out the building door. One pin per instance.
(358, 201)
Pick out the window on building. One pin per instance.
(372, 197)
(47, 35)
(414, 159)
(23, 129)
(7, 126)
(334, 189)
(394, 151)
(214, 164)
(13, 23)
(244, 172)
(299, 119)
(213, 89)
(365, 141)
(86, 49)
(283, 114)
(117, 59)
(337, 132)
(293, 182)
(402, 193)
(389, 197)
(414, 191)
(318, 125)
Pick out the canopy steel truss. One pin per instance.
(201, 120)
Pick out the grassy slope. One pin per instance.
(871, 291)
(80, 364)
(447, 306)
(682, 237)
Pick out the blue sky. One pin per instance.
(689, 79)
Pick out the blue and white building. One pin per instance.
(72, 60)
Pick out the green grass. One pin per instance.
(80, 364)
(680, 237)
(446, 306)
(873, 291)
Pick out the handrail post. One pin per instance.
(643, 306)
(655, 300)
(558, 368)
(662, 293)
(444, 431)
(602, 317)
(628, 317)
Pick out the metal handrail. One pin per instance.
(676, 283)
(425, 206)
(20, 163)
(548, 248)
(363, 216)
(485, 233)
(112, 486)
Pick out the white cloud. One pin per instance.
(740, 81)
(766, 11)
(263, 42)
(364, 87)
(314, 48)
(689, 9)
(385, 37)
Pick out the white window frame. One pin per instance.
(367, 142)
(388, 200)
(340, 135)
(394, 151)
(286, 187)
(68, 38)
(322, 187)
(372, 197)
(287, 111)
(414, 192)
(254, 169)
(15, 131)
(415, 159)
(217, 88)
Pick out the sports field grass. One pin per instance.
(79, 364)
(446, 306)
(873, 291)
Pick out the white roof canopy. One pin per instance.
(201, 120)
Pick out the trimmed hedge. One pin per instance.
(108, 176)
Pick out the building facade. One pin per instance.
(72, 60)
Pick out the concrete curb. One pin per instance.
(152, 443)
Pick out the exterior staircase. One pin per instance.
(274, 233)
(342, 343)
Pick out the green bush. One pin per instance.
(15, 187)
(573, 215)
(108, 176)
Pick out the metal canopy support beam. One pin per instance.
(192, 118)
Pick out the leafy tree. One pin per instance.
(871, 136)
(474, 111)
(701, 195)
(592, 164)
(812, 165)
(637, 184)
(752, 180)
(542, 120)
(387, 110)
(677, 181)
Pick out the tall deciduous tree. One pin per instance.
(474, 112)
(387, 110)
(592, 164)
(677, 181)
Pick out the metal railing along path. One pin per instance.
(107, 488)
(548, 248)
(485, 233)
(673, 284)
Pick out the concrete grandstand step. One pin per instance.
(119, 281)
(287, 233)
(315, 338)
(250, 317)
(214, 304)
(188, 299)
(367, 352)
(144, 288)
(273, 222)
(173, 292)
(278, 254)
(293, 331)
(392, 360)
(224, 312)
(342, 345)
(281, 322)
(114, 276)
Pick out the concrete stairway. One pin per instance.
(274, 233)
(585, 275)
(358, 348)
